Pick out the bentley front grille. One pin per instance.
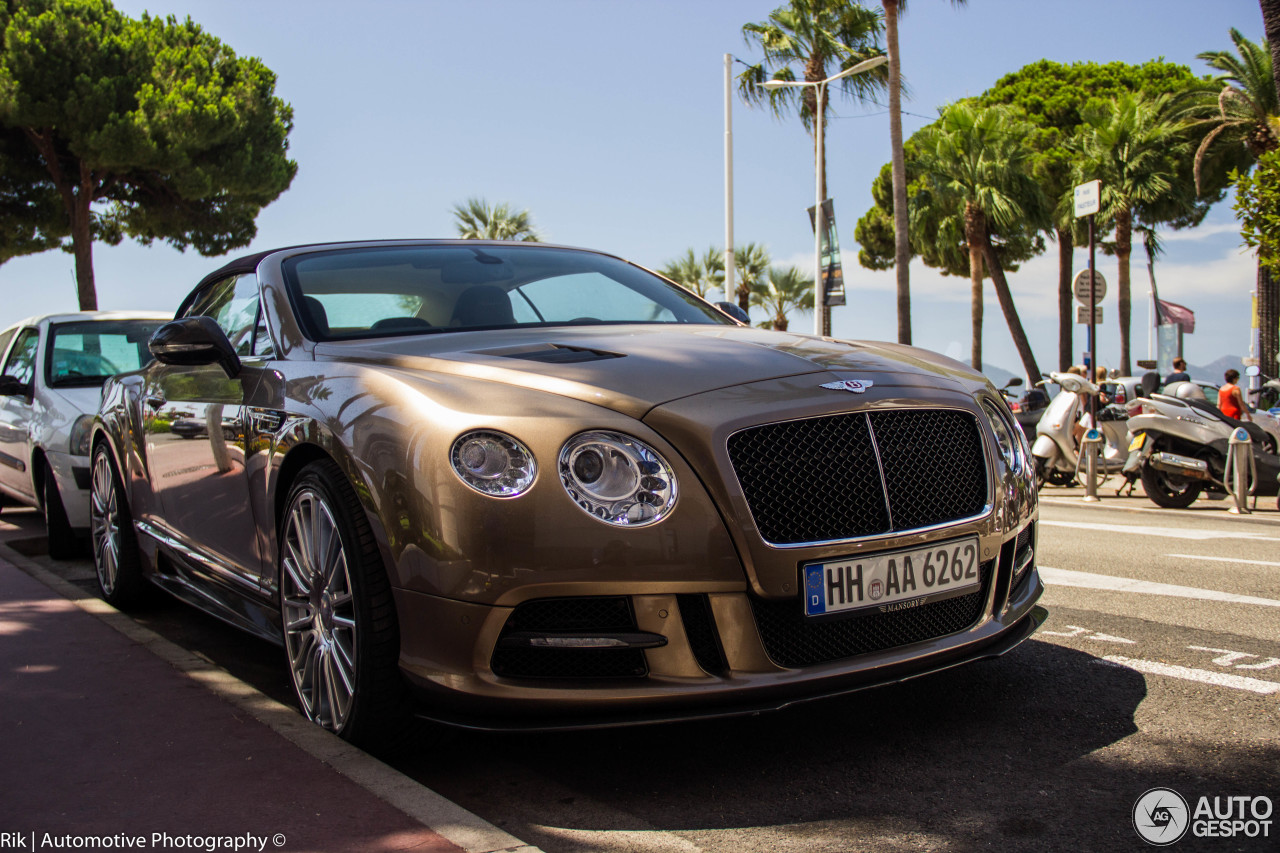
(860, 474)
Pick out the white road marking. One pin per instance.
(1087, 634)
(1204, 676)
(1089, 580)
(1228, 658)
(1166, 532)
(1224, 559)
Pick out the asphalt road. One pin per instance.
(1159, 667)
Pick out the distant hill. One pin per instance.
(1212, 372)
(999, 376)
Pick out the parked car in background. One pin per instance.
(513, 485)
(50, 386)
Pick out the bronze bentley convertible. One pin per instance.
(521, 486)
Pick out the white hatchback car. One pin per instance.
(50, 388)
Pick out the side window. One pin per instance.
(21, 364)
(233, 305)
(5, 337)
(262, 340)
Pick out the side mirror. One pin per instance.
(1014, 382)
(1252, 370)
(11, 387)
(734, 311)
(194, 341)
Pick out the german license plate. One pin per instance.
(896, 580)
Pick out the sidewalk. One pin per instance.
(110, 732)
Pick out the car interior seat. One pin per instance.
(317, 315)
(483, 305)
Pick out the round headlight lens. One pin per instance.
(617, 479)
(493, 463)
(1010, 448)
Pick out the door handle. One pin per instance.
(155, 401)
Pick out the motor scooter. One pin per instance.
(1055, 452)
(1180, 449)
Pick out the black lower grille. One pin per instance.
(792, 639)
(860, 474)
(569, 615)
(700, 628)
(1027, 538)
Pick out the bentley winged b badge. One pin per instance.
(857, 386)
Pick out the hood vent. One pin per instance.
(554, 353)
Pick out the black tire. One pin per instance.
(342, 641)
(116, 561)
(63, 542)
(1166, 491)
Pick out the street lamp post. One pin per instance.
(820, 90)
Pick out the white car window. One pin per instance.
(21, 364)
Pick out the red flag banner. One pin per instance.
(1172, 312)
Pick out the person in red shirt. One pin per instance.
(1230, 400)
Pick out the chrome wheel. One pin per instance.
(319, 611)
(104, 524)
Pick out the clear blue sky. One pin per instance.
(604, 118)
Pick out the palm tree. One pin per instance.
(901, 241)
(781, 292)
(1134, 148)
(1271, 28)
(476, 220)
(752, 262)
(975, 161)
(816, 38)
(1240, 110)
(686, 271)
(713, 270)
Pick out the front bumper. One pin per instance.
(447, 655)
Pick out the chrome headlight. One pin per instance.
(1009, 446)
(493, 463)
(617, 479)
(81, 431)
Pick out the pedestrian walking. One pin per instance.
(1230, 400)
(1179, 373)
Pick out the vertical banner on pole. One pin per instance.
(832, 272)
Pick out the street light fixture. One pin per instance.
(820, 90)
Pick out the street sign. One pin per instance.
(1081, 286)
(1088, 198)
(1082, 315)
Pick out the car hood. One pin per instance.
(634, 368)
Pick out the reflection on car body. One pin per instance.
(511, 485)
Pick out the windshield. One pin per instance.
(87, 352)
(358, 293)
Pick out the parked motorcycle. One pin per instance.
(1055, 451)
(1026, 408)
(1180, 449)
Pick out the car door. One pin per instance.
(15, 417)
(193, 423)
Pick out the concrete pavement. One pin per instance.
(110, 732)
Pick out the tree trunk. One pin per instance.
(77, 200)
(901, 237)
(1268, 321)
(1271, 25)
(975, 225)
(1066, 318)
(1010, 311)
(1124, 247)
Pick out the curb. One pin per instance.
(444, 817)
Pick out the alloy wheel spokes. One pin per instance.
(104, 525)
(318, 610)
